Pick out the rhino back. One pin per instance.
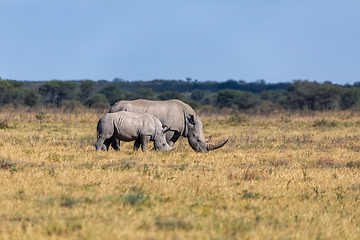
(171, 113)
(105, 124)
(129, 126)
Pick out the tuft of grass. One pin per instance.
(324, 123)
(173, 223)
(285, 119)
(326, 162)
(122, 165)
(353, 164)
(68, 201)
(250, 195)
(7, 164)
(41, 116)
(133, 198)
(280, 161)
(13, 167)
(20, 194)
(54, 157)
(4, 124)
(60, 228)
(239, 119)
(253, 174)
(136, 196)
(182, 167)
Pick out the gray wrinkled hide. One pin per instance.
(128, 126)
(177, 115)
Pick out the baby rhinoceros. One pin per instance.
(128, 126)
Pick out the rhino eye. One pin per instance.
(198, 140)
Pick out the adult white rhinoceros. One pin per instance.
(128, 126)
(177, 115)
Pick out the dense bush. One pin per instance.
(257, 96)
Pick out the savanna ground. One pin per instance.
(282, 176)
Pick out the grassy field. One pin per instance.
(283, 176)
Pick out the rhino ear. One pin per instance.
(191, 119)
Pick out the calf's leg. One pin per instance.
(144, 142)
(115, 143)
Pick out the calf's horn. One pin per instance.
(213, 147)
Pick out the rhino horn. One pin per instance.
(207, 139)
(219, 145)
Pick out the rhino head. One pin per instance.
(160, 143)
(196, 136)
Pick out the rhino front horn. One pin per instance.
(213, 147)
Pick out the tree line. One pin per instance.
(236, 94)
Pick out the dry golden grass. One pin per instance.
(281, 176)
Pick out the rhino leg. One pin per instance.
(144, 140)
(115, 143)
(175, 136)
(137, 145)
(107, 143)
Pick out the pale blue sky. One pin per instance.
(278, 41)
